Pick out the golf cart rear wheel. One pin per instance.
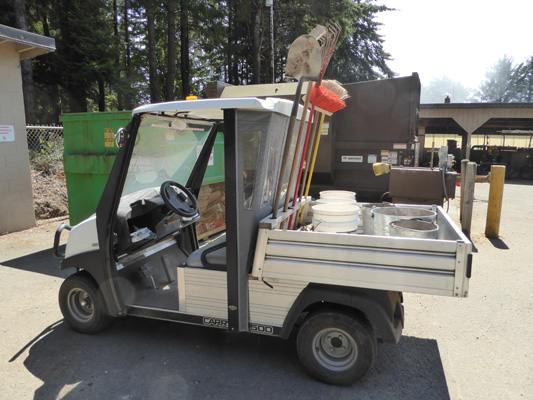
(82, 304)
(336, 348)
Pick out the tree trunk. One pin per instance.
(230, 42)
(54, 87)
(120, 100)
(128, 100)
(101, 95)
(155, 88)
(231, 57)
(171, 61)
(25, 66)
(56, 99)
(256, 43)
(184, 48)
(77, 99)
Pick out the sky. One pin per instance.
(460, 39)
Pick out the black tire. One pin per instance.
(336, 348)
(82, 304)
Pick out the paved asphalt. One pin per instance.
(473, 348)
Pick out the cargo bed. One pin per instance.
(439, 266)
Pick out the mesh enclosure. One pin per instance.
(45, 146)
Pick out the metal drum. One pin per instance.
(383, 216)
(414, 229)
(367, 223)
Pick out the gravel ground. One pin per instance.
(472, 348)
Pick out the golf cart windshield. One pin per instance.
(166, 149)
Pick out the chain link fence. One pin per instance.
(45, 145)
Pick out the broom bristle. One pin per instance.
(336, 88)
(327, 99)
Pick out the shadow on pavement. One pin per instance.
(141, 359)
(498, 243)
(518, 182)
(42, 262)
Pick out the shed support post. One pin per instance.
(469, 182)
(463, 179)
(421, 146)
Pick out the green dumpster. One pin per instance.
(90, 152)
(215, 169)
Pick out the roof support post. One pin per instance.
(237, 274)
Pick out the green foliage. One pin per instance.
(524, 81)
(438, 89)
(101, 61)
(507, 83)
(46, 152)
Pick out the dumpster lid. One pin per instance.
(213, 108)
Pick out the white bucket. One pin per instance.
(335, 201)
(337, 194)
(335, 217)
(383, 216)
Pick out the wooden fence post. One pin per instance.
(494, 208)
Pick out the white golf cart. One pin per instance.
(139, 254)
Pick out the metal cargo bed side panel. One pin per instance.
(270, 305)
(376, 262)
(204, 293)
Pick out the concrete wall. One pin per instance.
(16, 202)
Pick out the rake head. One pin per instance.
(328, 43)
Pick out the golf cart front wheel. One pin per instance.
(82, 304)
(336, 348)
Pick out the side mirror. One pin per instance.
(120, 137)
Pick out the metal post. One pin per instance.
(272, 42)
(468, 202)
(421, 147)
(432, 152)
(494, 208)
(463, 174)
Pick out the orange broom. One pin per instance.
(330, 96)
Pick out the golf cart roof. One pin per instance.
(213, 108)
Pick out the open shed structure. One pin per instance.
(467, 119)
(16, 202)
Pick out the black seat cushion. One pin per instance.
(210, 256)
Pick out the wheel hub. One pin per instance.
(335, 349)
(80, 305)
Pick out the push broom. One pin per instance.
(328, 49)
(330, 99)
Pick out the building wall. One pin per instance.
(16, 203)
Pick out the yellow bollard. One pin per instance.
(494, 208)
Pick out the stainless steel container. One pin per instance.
(367, 222)
(383, 216)
(414, 229)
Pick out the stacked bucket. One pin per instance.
(336, 211)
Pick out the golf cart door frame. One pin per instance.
(106, 212)
(237, 274)
(253, 140)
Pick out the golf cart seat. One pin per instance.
(211, 256)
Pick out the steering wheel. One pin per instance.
(179, 199)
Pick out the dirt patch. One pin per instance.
(49, 193)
